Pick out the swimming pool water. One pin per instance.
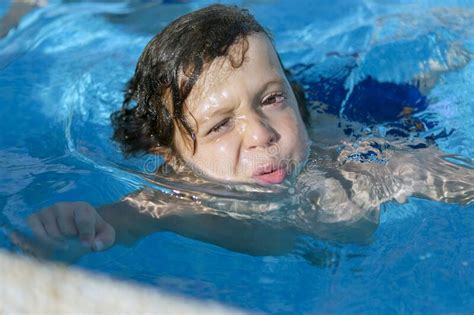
(62, 73)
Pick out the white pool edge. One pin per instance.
(29, 286)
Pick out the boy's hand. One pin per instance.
(72, 219)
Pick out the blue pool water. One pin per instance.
(62, 73)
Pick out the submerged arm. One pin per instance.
(66, 231)
(432, 174)
(150, 211)
(400, 172)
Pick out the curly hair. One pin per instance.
(167, 70)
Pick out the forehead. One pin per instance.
(260, 63)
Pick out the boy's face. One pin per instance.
(246, 119)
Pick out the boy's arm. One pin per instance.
(138, 215)
(402, 172)
(434, 175)
(149, 210)
(129, 223)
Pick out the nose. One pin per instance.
(259, 133)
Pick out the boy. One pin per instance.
(213, 99)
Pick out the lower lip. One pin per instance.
(275, 177)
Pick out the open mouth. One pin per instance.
(270, 175)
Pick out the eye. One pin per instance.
(220, 126)
(274, 98)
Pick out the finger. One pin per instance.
(84, 218)
(40, 233)
(105, 235)
(65, 220)
(37, 226)
(48, 219)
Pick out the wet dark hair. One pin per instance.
(169, 67)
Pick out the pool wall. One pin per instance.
(29, 286)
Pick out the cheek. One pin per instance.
(292, 128)
(217, 157)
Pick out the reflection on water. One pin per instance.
(401, 73)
